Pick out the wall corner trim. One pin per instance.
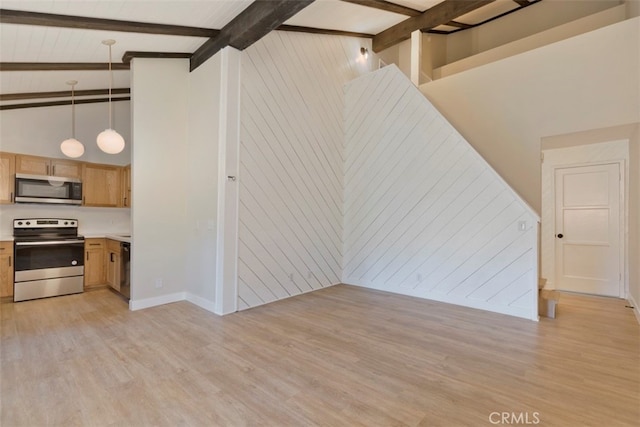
(141, 304)
(634, 304)
(201, 302)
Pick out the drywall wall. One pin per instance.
(399, 54)
(202, 180)
(39, 131)
(91, 221)
(425, 215)
(611, 150)
(159, 107)
(536, 18)
(555, 34)
(291, 176)
(634, 220)
(504, 108)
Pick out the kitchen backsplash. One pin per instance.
(91, 220)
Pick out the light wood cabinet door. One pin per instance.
(94, 268)
(6, 269)
(66, 168)
(113, 264)
(126, 186)
(7, 177)
(33, 165)
(101, 185)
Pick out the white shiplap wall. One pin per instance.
(291, 163)
(424, 214)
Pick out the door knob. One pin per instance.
(560, 236)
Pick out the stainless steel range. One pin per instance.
(49, 258)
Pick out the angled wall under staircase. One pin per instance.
(425, 215)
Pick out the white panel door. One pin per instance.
(588, 228)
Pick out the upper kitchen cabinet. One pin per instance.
(126, 186)
(35, 165)
(102, 185)
(7, 176)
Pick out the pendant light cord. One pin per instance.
(73, 113)
(110, 85)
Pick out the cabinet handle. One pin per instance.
(9, 261)
(111, 257)
(12, 197)
(87, 256)
(53, 172)
(94, 244)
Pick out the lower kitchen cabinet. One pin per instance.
(94, 262)
(6, 269)
(114, 259)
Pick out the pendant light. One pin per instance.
(110, 141)
(72, 147)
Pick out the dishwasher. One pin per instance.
(125, 273)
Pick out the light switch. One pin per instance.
(522, 225)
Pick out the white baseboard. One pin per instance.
(201, 302)
(155, 301)
(294, 295)
(529, 314)
(634, 304)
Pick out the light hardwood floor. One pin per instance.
(341, 356)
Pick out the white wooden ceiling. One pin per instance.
(27, 43)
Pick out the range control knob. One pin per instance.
(73, 223)
(65, 223)
(28, 222)
(19, 222)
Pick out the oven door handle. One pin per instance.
(49, 242)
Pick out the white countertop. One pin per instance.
(120, 237)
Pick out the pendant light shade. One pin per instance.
(72, 147)
(110, 141)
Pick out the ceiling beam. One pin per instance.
(60, 66)
(256, 21)
(386, 6)
(57, 103)
(297, 29)
(129, 55)
(80, 22)
(522, 3)
(456, 24)
(439, 14)
(62, 94)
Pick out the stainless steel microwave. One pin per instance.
(48, 189)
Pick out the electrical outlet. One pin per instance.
(158, 283)
(522, 225)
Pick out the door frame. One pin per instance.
(624, 289)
